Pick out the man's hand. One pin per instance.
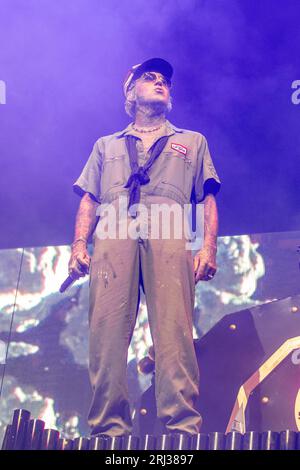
(79, 263)
(205, 265)
(85, 224)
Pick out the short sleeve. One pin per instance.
(206, 179)
(90, 179)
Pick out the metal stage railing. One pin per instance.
(25, 433)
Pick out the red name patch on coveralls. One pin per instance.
(180, 148)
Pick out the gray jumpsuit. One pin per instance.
(164, 267)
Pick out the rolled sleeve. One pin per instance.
(207, 180)
(90, 179)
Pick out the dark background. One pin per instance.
(64, 61)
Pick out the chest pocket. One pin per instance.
(177, 173)
(113, 173)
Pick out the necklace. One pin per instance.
(145, 131)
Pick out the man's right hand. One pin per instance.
(79, 263)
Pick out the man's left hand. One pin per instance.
(205, 265)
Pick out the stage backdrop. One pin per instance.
(44, 334)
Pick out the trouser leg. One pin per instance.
(114, 294)
(168, 275)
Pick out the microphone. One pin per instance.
(67, 283)
(70, 280)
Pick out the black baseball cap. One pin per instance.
(151, 65)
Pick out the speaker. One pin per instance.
(249, 366)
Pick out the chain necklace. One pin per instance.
(146, 131)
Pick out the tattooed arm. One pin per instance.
(205, 265)
(85, 224)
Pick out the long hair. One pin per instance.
(130, 102)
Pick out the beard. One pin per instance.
(153, 105)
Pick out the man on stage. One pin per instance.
(150, 162)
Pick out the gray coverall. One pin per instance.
(164, 267)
